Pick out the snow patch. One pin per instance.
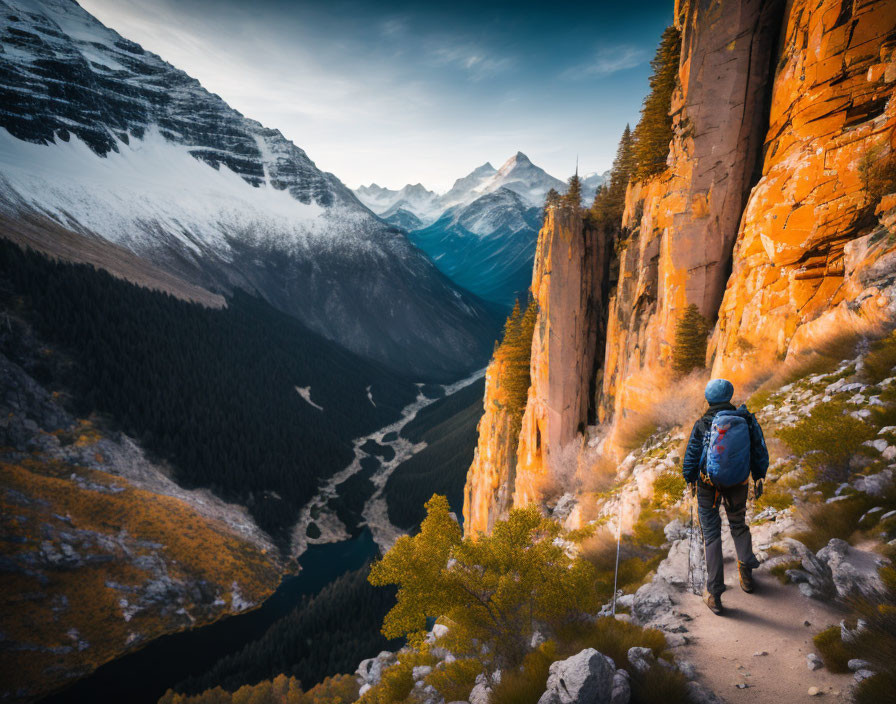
(305, 393)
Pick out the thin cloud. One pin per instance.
(477, 63)
(606, 61)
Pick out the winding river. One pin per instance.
(145, 675)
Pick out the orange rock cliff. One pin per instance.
(775, 216)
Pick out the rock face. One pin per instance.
(566, 287)
(488, 492)
(507, 471)
(684, 222)
(774, 217)
(799, 273)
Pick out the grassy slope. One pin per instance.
(42, 504)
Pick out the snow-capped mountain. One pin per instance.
(520, 175)
(393, 206)
(469, 187)
(517, 174)
(486, 246)
(590, 183)
(482, 232)
(108, 140)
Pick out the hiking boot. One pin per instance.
(714, 602)
(746, 578)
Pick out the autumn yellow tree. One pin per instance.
(495, 590)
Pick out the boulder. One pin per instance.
(853, 571)
(481, 692)
(652, 601)
(857, 664)
(585, 678)
(622, 688)
(813, 662)
(641, 658)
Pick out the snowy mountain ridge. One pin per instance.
(108, 140)
(517, 174)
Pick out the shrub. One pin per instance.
(833, 652)
(660, 685)
(775, 497)
(827, 439)
(689, 351)
(526, 684)
(669, 487)
(455, 680)
(493, 589)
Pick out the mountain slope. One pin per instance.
(486, 246)
(109, 140)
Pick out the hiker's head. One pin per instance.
(719, 391)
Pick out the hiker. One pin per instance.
(726, 447)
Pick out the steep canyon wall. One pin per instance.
(773, 217)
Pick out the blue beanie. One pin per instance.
(719, 391)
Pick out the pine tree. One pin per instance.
(573, 196)
(691, 331)
(609, 201)
(654, 130)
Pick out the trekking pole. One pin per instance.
(690, 540)
(616, 570)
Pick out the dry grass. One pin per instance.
(193, 547)
(780, 570)
(677, 404)
(827, 439)
(339, 689)
(825, 358)
(836, 520)
(832, 649)
(774, 496)
(636, 561)
(613, 638)
(880, 361)
(526, 684)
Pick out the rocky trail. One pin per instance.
(756, 651)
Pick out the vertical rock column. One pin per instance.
(565, 283)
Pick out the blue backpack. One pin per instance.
(726, 448)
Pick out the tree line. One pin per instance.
(211, 392)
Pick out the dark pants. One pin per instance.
(708, 505)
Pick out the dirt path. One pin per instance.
(771, 620)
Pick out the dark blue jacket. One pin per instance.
(690, 466)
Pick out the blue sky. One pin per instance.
(397, 92)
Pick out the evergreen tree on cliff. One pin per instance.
(551, 200)
(609, 201)
(573, 196)
(654, 130)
